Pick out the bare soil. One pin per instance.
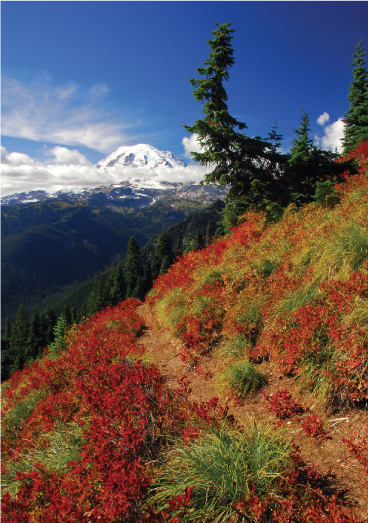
(340, 470)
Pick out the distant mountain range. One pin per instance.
(135, 193)
(53, 243)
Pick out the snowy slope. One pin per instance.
(142, 156)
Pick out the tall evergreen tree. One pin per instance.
(308, 165)
(356, 120)
(302, 145)
(133, 267)
(163, 256)
(237, 159)
(18, 346)
(198, 242)
(179, 246)
(115, 286)
(96, 299)
(59, 332)
(208, 234)
(36, 337)
(67, 315)
(48, 322)
(5, 352)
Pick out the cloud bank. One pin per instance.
(334, 133)
(69, 170)
(67, 115)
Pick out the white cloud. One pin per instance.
(332, 139)
(69, 170)
(64, 155)
(191, 144)
(323, 119)
(66, 115)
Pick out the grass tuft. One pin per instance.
(223, 466)
(243, 379)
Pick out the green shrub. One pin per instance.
(223, 466)
(244, 379)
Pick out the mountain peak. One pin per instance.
(142, 156)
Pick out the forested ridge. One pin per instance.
(269, 312)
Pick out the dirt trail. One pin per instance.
(330, 457)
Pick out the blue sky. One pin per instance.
(80, 79)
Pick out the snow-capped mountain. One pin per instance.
(142, 156)
(140, 190)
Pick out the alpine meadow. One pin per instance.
(219, 372)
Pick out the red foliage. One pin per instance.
(283, 405)
(313, 426)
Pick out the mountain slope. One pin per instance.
(142, 156)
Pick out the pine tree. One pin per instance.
(208, 234)
(198, 241)
(237, 159)
(133, 267)
(179, 246)
(302, 144)
(5, 352)
(59, 334)
(163, 252)
(67, 315)
(356, 121)
(148, 278)
(35, 336)
(96, 299)
(18, 345)
(115, 286)
(48, 322)
(308, 165)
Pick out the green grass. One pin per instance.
(223, 466)
(244, 379)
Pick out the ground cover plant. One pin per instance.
(292, 292)
(93, 433)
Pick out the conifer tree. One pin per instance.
(302, 144)
(237, 159)
(67, 315)
(356, 129)
(208, 234)
(148, 278)
(163, 256)
(133, 267)
(59, 334)
(198, 241)
(35, 339)
(116, 287)
(179, 246)
(48, 322)
(5, 352)
(308, 165)
(18, 345)
(96, 299)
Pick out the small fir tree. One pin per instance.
(59, 334)
(133, 268)
(356, 118)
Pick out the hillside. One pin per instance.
(51, 248)
(237, 392)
